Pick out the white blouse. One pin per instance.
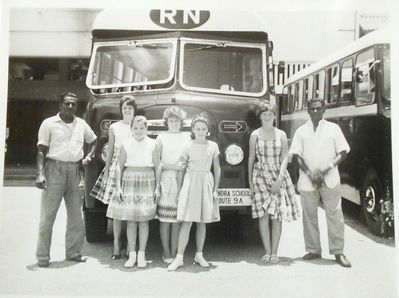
(139, 153)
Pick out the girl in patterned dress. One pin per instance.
(136, 194)
(198, 198)
(273, 194)
(104, 188)
(169, 148)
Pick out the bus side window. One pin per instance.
(318, 87)
(364, 78)
(346, 82)
(332, 85)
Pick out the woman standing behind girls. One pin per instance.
(198, 198)
(104, 188)
(169, 148)
(136, 193)
(273, 195)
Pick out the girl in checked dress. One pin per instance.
(104, 188)
(169, 147)
(273, 194)
(198, 198)
(135, 189)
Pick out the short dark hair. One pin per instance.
(139, 118)
(63, 96)
(314, 100)
(265, 107)
(130, 101)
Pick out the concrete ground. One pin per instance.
(233, 247)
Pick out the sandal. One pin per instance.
(274, 259)
(266, 258)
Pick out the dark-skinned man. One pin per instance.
(319, 146)
(60, 151)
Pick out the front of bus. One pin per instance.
(191, 59)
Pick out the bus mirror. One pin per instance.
(271, 47)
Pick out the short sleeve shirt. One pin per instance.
(65, 141)
(139, 153)
(318, 149)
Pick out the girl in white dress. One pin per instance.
(198, 198)
(136, 192)
(169, 147)
(104, 188)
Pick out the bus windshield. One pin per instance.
(223, 67)
(386, 66)
(131, 63)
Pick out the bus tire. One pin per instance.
(96, 226)
(370, 195)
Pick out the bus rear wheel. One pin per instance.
(96, 226)
(370, 196)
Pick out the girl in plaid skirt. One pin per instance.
(136, 193)
(104, 188)
(273, 194)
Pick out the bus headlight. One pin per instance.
(104, 152)
(234, 155)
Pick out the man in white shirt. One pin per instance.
(319, 146)
(60, 150)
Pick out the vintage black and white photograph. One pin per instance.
(198, 149)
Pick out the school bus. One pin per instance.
(355, 83)
(212, 62)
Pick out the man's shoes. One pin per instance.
(43, 263)
(115, 257)
(78, 259)
(343, 261)
(311, 256)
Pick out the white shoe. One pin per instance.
(199, 259)
(131, 261)
(177, 262)
(167, 260)
(141, 261)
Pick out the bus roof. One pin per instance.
(158, 20)
(381, 36)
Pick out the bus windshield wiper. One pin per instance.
(145, 45)
(218, 45)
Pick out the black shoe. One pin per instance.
(43, 263)
(343, 261)
(311, 256)
(116, 257)
(78, 259)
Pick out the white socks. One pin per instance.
(178, 262)
(141, 261)
(132, 260)
(200, 260)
